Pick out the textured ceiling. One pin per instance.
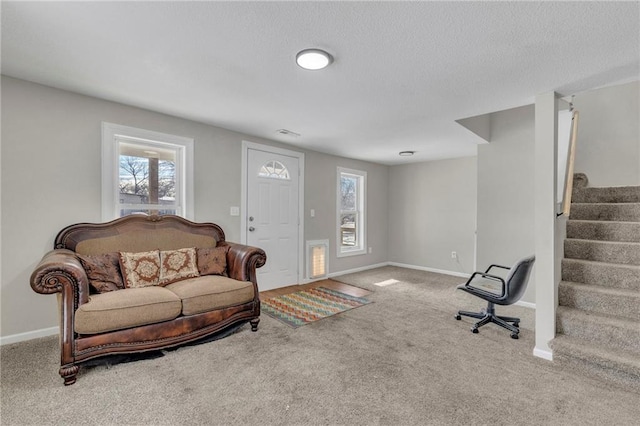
(403, 72)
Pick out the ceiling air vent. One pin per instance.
(286, 132)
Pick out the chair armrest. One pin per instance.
(242, 261)
(496, 266)
(488, 276)
(60, 271)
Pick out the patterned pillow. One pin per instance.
(140, 269)
(212, 260)
(103, 271)
(176, 265)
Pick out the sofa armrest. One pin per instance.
(60, 271)
(242, 261)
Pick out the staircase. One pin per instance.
(598, 318)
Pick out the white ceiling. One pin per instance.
(403, 72)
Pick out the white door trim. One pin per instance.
(246, 146)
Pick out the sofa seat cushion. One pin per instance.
(131, 307)
(206, 293)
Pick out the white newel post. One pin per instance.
(546, 149)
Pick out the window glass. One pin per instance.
(351, 212)
(275, 170)
(147, 179)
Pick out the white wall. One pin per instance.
(51, 177)
(608, 147)
(505, 191)
(432, 212)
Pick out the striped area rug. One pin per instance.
(306, 306)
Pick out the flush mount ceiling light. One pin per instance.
(406, 153)
(313, 59)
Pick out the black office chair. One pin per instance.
(513, 287)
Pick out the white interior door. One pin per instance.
(272, 216)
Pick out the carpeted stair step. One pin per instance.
(617, 194)
(603, 251)
(604, 230)
(606, 330)
(599, 361)
(602, 274)
(621, 212)
(598, 299)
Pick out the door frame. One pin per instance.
(246, 146)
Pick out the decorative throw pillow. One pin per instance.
(140, 269)
(103, 271)
(212, 260)
(176, 265)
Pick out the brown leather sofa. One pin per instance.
(135, 320)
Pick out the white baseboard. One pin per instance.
(29, 335)
(525, 304)
(543, 353)
(351, 271)
(426, 268)
(455, 274)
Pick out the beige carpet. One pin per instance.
(402, 360)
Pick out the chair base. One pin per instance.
(490, 316)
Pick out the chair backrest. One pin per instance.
(517, 279)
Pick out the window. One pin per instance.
(351, 212)
(145, 171)
(275, 170)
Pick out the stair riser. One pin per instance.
(602, 370)
(625, 194)
(603, 274)
(613, 212)
(592, 301)
(604, 231)
(601, 251)
(609, 335)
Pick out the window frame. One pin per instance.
(112, 134)
(361, 214)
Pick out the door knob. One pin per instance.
(251, 229)
(250, 218)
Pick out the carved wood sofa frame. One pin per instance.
(61, 272)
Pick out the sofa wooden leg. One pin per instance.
(69, 373)
(254, 324)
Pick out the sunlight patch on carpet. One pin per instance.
(306, 306)
(386, 282)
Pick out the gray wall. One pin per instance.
(51, 177)
(608, 148)
(432, 212)
(505, 191)
(320, 195)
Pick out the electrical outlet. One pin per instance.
(454, 255)
(370, 250)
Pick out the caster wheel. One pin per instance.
(474, 330)
(458, 317)
(514, 336)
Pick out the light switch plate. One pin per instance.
(234, 211)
